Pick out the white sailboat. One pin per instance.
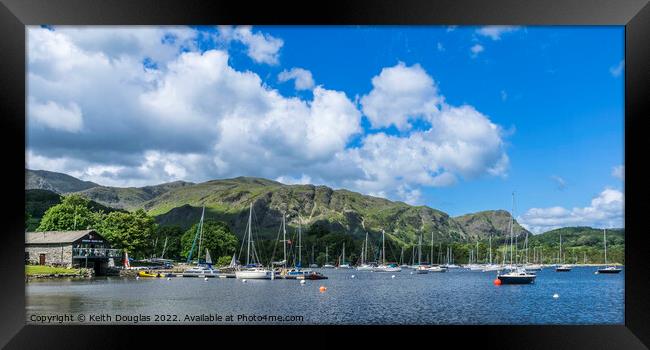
(343, 264)
(438, 267)
(607, 269)
(491, 266)
(327, 265)
(252, 270)
(385, 267)
(563, 267)
(364, 252)
(420, 269)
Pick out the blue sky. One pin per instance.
(455, 118)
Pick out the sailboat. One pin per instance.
(607, 269)
(252, 270)
(343, 264)
(229, 271)
(313, 262)
(563, 267)
(515, 275)
(527, 265)
(491, 266)
(401, 260)
(297, 270)
(327, 265)
(385, 267)
(200, 270)
(364, 253)
(420, 269)
(438, 267)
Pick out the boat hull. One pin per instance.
(434, 269)
(253, 275)
(562, 269)
(516, 279)
(611, 271)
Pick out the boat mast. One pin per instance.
(248, 246)
(299, 242)
(490, 249)
(326, 255)
(198, 258)
(365, 250)
(512, 214)
(605, 240)
(343, 253)
(284, 238)
(431, 256)
(420, 251)
(383, 247)
(560, 255)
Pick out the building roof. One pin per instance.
(49, 237)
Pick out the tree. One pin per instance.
(73, 213)
(217, 238)
(173, 247)
(223, 261)
(130, 231)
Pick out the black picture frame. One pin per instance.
(633, 14)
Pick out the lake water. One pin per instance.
(455, 297)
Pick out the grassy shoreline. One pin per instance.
(36, 270)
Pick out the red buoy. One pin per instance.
(497, 282)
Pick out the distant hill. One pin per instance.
(489, 222)
(580, 236)
(55, 182)
(337, 210)
(129, 198)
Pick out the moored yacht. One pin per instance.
(514, 275)
(252, 270)
(607, 269)
(385, 267)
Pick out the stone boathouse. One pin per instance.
(85, 248)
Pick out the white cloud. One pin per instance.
(56, 116)
(461, 143)
(262, 48)
(617, 70)
(495, 32)
(619, 172)
(440, 47)
(189, 115)
(504, 95)
(302, 180)
(451, 28)
(605, 210)
(476, 49)
(400, 93)
(303, 79)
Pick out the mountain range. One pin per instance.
(339, 210)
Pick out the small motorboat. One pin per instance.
(437, 268)
(312, 275)
(422, 270)
(365, 267)
(563, 268)
(154, 274)
(200, 271)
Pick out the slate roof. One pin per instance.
(49, 237)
